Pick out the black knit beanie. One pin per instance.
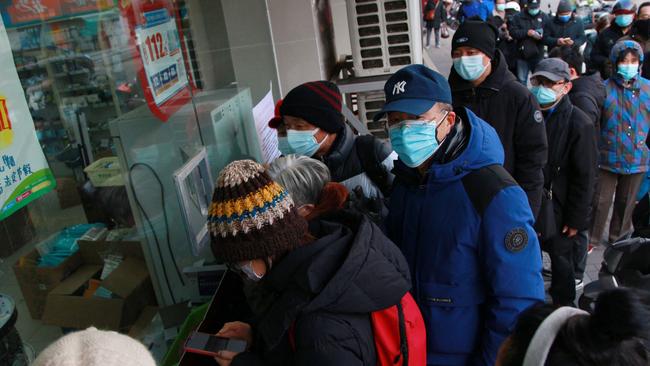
(476, 34)
(317, 102)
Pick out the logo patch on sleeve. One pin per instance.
(516, 240)
(538, 116)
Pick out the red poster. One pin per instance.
(22, 11)
(159, 54)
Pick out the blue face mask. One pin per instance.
(501, 7)
(628, 71)
(283, 146)
(564, 18)
(414, 141)
(544, 95)
(469, 67)
(533, 12)
(303, 142)
(624, 20)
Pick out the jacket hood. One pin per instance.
(590, 84)
(350, 268)
(499, 77)
(484, 148)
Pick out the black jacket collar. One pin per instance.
(341, 148)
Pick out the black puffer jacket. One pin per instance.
(346, 163)
(522, 23)
(599, 57)
(327, 290)
(588, 94)
(555, 29)
(514, 113)
(572, 150)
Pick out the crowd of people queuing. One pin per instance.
(527, 146)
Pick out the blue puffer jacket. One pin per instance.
(471, 278)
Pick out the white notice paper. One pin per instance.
(263, 112)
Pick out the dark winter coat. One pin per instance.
(522, 23)
(347, 166)
(440, 15)
(326, 290)
(588, 94)
(509, 107)
(572, 164)
(431, 5)
(555, 29)
(599, 57)
(469, 281)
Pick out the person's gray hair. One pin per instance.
(302, 176)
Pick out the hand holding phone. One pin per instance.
(210, 345)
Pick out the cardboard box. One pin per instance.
(36, 283)
(66, 190)
(130, 284)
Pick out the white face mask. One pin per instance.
(248, 270)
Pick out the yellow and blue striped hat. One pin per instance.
(251, 216)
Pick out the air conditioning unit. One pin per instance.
(369, 104)
(386, 35)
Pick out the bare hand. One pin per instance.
(237, 330)
(533, 33)
(569, 232)
(224, 358)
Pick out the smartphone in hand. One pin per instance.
(210, 345)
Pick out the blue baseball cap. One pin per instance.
(414, 89)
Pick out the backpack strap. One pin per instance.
(372, 163)
(483, 184)
(403, 341)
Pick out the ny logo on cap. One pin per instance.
(399, 87)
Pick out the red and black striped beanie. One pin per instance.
(317, 102)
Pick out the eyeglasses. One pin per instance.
(545, 82)
(412, 122)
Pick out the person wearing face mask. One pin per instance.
(569, 174)
(462, 222)
(481, 81)
(624, 11)
(311, 286)
(640, 33)
(564, 29)
(527, 29)
(624, 155)
(588, 94)
(310, 123)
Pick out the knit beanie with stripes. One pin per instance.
(317, 102)
(251, 216)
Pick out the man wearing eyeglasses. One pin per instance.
(569, 174)
(462, 222)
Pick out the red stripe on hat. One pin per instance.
(336, 105)
(329, 91)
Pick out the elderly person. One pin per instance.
(311, 286)
(309, 183)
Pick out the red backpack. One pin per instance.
(399, 334)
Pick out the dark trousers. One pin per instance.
(580, 253)
(618, 190)
(563, 286)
